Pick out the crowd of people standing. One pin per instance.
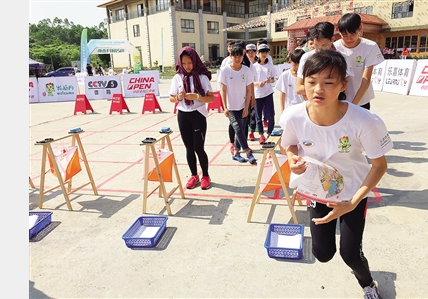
(325, 114)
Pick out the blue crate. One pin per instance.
(274, 230)
(45, 218)
(132, 236)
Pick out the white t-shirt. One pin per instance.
(177, 85)
(287, 84)
(340, 145)
(236, 82)
(263, 72)
(227, 60)
(365, 54)
(349, 70)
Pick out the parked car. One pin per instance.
(62, 72)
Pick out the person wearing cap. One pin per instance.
(251, 54)
(264, 92)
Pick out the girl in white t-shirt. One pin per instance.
(286, 84)
(342, 135)
(191, 88)
(236, 91)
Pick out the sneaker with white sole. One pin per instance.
(239, 158)
(251, 158)
(371, 292)
(192, 182)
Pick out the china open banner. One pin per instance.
(57, 89)
(399, 75)
(33, 90)
(137, 85)
(102, 87)
(378, 75)
(420, 81)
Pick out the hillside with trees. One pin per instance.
(57, 43)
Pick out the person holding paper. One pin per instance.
(316, 128)
(191, 88)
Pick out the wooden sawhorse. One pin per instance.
(258, 192)
(150, 148)
(47, 148)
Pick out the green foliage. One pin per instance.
(57, 42)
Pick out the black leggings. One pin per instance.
(193, 128)
(351, 235)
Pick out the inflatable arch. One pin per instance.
(115, 46)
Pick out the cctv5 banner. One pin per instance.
(137, 85)
(102, 87)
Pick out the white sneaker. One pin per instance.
(371, 292)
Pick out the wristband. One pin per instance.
(198, 96)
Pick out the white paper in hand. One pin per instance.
(320, 182)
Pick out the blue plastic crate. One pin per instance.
(135, 236)
(275, 231)
(44, 220)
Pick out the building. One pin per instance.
(160, 28)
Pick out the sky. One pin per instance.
(80, 12)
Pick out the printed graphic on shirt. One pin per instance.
(307, 143)
(344, 144)
(243, 78)
(385, 140)
(359, 61)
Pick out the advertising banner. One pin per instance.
(57, 89)
(378, 75)
(420, 81)
(399, 75)
(33, 93)
(137, 85)
(102, 87)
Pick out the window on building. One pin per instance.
(257, 8)
(140, 10)
(212, 27)
(399, 42)
(402, 10)
(365, 10)
(120, 14)
(162, 5)
(136, 29)
(187, 25)
(189, 4)
(423, 44)
(191, 45)
(210, 5)
(284, 3)
(235, 8)
(213, 51)
(280, 25)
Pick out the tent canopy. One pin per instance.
(34, 63)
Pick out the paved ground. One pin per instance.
(209, 250)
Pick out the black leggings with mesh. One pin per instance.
(193, 128)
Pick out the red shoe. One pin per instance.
(191, 183)
(232, 149)
(250, 150)
(251, 136)
(265, 123)
(262, 139)
(205, 183)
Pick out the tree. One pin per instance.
(57, 42)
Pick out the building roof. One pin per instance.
(308, 23)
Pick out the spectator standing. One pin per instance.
(323, 121)
(405, 52)
(236, 80)
(89, 69)
(363, 54)
(286, 83)
(264, 92)
(191, 88)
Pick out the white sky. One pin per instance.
(80, 12)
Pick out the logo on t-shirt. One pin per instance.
(243, 78)
(359, 61)
(307, 143)
(344, 144)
